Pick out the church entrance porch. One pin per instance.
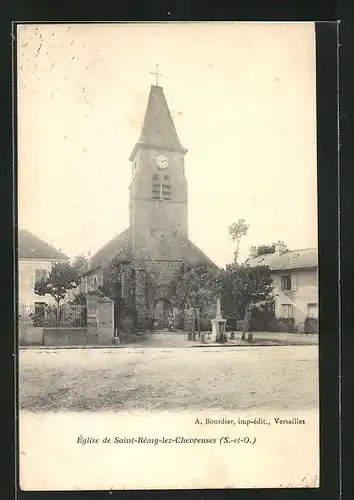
(162, 313)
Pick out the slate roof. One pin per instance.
(32, 247)
(184, 251)
(158, 128)
(121, 244)
(295, 259)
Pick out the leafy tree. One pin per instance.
(118, 284)
(62, 277)
(118, 279)
(79, 299)
(266, 249)
(236, 231)
(244, 286)
(79, 261)
(196, 286)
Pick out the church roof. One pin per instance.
(121, 246)
(194, 255)
(158, 128)
(32, 247)
(295, 259)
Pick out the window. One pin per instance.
(285, 284)
(156, 188)
(286, 311)
(312, 310)
(40, 273)
(94, 283)
(166, 188)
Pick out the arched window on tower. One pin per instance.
(166, 188)
(156, 188)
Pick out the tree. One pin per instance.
(118, 283)
(266, 249)
(196, 286)
(79, 299)
(236, 231)
(79, 261)
(62, 277)
(243, 286)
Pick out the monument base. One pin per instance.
(218, 326)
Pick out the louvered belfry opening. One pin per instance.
(166, 188)
(161, 191)
(156, 187)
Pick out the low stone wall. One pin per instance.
(65, 336)
(31, 335)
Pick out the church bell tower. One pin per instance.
(158, 191)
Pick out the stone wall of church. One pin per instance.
(156, 284)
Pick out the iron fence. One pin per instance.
(50, 316)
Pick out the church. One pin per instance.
(156, 241)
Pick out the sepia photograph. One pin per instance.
(167, 255)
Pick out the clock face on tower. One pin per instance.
(161, 161)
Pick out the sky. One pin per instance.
(243, 100)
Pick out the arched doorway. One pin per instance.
(162, 311)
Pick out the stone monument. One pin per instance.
(218, 324)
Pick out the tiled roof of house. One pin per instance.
(295, 259)
(158, 128)
(183, 250)
(32, 247)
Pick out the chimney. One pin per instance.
(280, 248)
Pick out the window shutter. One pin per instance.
(294, 283)
(37, 274)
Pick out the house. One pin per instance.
(35, 260)
(295, 279)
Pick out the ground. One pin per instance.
(272, 377)
(164, 339)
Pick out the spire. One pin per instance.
(158, 128)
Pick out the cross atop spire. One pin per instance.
(157, 74)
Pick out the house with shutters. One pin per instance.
(295, 280)
(35, 260)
